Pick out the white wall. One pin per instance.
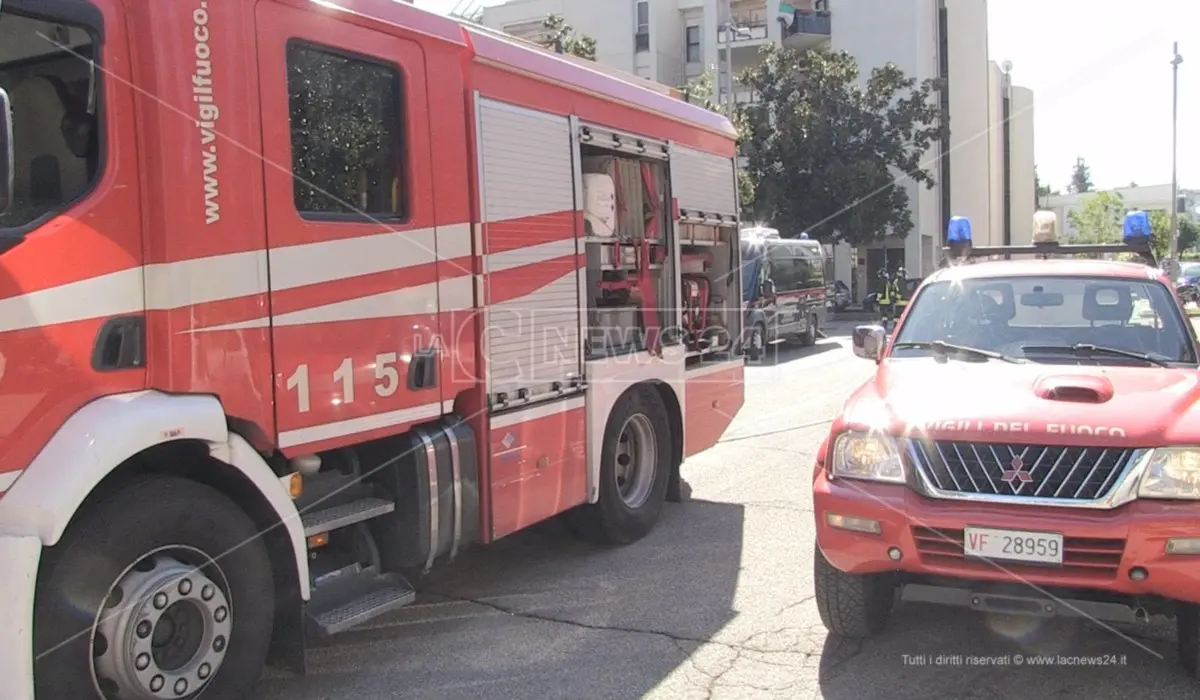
(993, 230)
(1024, 184)
(610, 23)
(970, 171)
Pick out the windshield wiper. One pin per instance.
(944, 349)
(1086, 350)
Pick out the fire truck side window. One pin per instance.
(45, 69)
(347, 134)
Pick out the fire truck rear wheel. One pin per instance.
(851, 605)
(1187, 621)
(131, 605)
(635, 468)
(809, 337)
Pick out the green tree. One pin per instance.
(1160, 233)
(829, 155)
(1041, 192)
(701, 91)
(1081, 177)
(1100, 218)
(561, 37)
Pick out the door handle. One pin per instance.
(422, 371)
(120, 344)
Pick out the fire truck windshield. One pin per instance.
(46, 71)
(1093, 320)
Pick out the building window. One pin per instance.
(641, 37)
(347, 134)
(693, 44)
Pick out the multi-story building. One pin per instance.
(675, 41)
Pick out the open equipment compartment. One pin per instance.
(709, 254)
(630, 288)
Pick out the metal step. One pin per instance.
(370, 598)
(329, 519)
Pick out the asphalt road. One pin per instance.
(715, 603)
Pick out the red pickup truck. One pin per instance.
(1030, 444)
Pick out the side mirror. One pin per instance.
(869, 341)
(767, 290)
(6, 152)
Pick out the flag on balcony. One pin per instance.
(787, 15)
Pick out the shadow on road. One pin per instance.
(783, 353)
(930, 651)
(542, 615)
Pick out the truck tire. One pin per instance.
(757, 342)
(851, 605)
(809, 337)
(1187, 634)
(177, 622)
(635, 468)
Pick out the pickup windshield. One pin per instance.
(45, 67)
(1100, 320)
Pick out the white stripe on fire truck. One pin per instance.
(539, 411)
(354, 426)
(7, 479)
(327, 261)
(177, 285)
(454, 294)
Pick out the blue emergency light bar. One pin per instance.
(1137, 227)
(1136, 239)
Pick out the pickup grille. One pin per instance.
(1031, 471)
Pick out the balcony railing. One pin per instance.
(748, 29)
(810, 22)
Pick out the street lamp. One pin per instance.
(1176, 59)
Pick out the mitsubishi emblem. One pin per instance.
(1016, 473)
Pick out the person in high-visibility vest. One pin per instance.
(885, 298)
(899, 301)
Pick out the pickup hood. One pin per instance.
(1035, 403)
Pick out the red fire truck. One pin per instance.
(299, 299)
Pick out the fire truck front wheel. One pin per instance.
(851, 605)
(161, 590)
(635, 469)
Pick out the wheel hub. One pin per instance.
(162, 633)
(637, 460)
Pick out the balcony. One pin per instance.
(808, 27)
(750, 31)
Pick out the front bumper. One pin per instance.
(1100, 547)
(19, 557)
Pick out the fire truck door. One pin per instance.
(350, 229)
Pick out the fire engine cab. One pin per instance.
(299, 299)
(1029, 444)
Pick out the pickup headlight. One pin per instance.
(867, 456)
(1173, 472)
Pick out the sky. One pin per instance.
(1101, 75)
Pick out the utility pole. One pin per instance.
(1176, 59)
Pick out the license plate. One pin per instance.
(1013, 545)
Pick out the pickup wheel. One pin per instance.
(635, 468)
(851, 605)
(1187, 622)
(162, 590)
